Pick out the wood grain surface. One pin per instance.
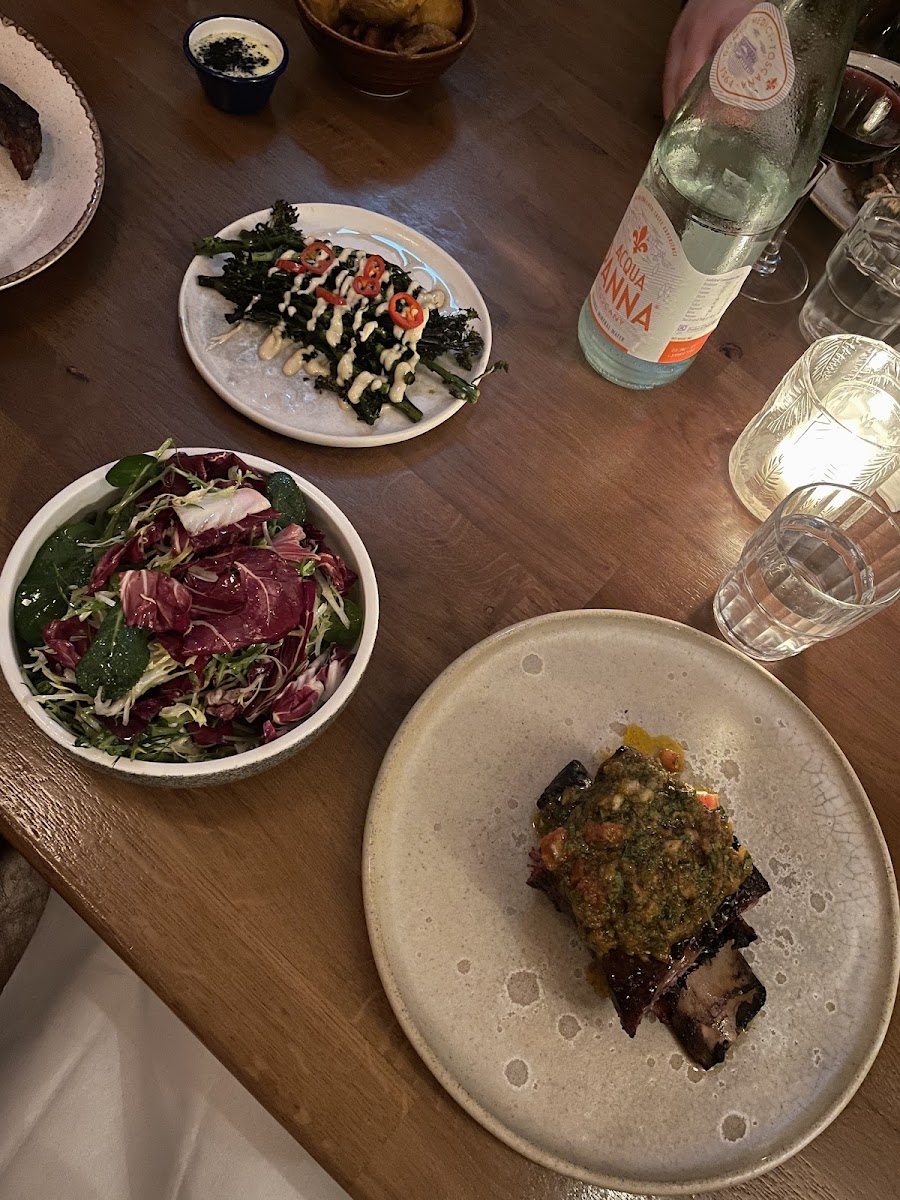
(241, 906)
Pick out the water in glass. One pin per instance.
(826, 559)
(860, 289)
(779, 600)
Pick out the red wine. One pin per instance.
(878, 29)
(866, 124)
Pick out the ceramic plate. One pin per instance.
(488, 981)
(292, 406)
(833, 197)
(42, 217)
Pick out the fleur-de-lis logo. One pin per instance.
(639, 238)
(770, 83)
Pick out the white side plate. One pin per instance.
(291, 405)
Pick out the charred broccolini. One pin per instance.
(360, 326)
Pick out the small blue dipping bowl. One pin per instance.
(240, 94)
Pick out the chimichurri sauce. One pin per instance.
(641, 860)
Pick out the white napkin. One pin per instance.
(105, 1095)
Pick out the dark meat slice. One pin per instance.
(740, 933)
(635, 983)
(562, 792)
(706, 1013)
(555, 802)
(714, 1001)
(20, 131)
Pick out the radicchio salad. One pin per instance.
(197, 616)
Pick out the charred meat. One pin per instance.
(636, 981)
(651, 872)
(20, 131)
(714, 1001)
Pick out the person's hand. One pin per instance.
(698, 33)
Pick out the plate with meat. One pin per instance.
(703, 968)
(51, 157)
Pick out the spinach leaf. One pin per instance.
(117, 658)
(337, 633)
(127, 470)
(136, 474)
(286, 498)
(60, 565)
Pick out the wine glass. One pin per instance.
(878, 30)
(864, 129)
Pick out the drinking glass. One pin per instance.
(865, 128)
(860, 290)
(835, 417)
(826, 559)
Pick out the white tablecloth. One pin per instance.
(105, 1095)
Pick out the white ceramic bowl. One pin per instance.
(85, 495)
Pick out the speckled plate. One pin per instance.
(291, 405)
(488, 981)
(833, 197)
(44, 216)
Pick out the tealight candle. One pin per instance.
(835, 418)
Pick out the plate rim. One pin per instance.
(343, 441)
(822, 203)
(459, 1093)
(67, 242)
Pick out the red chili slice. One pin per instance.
(317, 258)
(367, 287)
(330, 297)
(406, 311)
(288, 264)
(374, 268)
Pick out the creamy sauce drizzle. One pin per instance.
(273, 343)
(364, 380)
(335, 330)
(345, 366)
(320, 307)
(399, 361)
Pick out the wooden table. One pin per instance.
(241, 906)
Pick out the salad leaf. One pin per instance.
(337, 633)
(61, 564)
(202, 510)
(128, 470)
(286, 498)
(264, 594)
(225, 648)
(148, 473)
(117, 658)
(154, 600)
(68, 640)
(107, 565)
(183, 472)
(144, 710)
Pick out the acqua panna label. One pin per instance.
(647, 298)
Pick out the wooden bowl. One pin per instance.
(383, 72)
